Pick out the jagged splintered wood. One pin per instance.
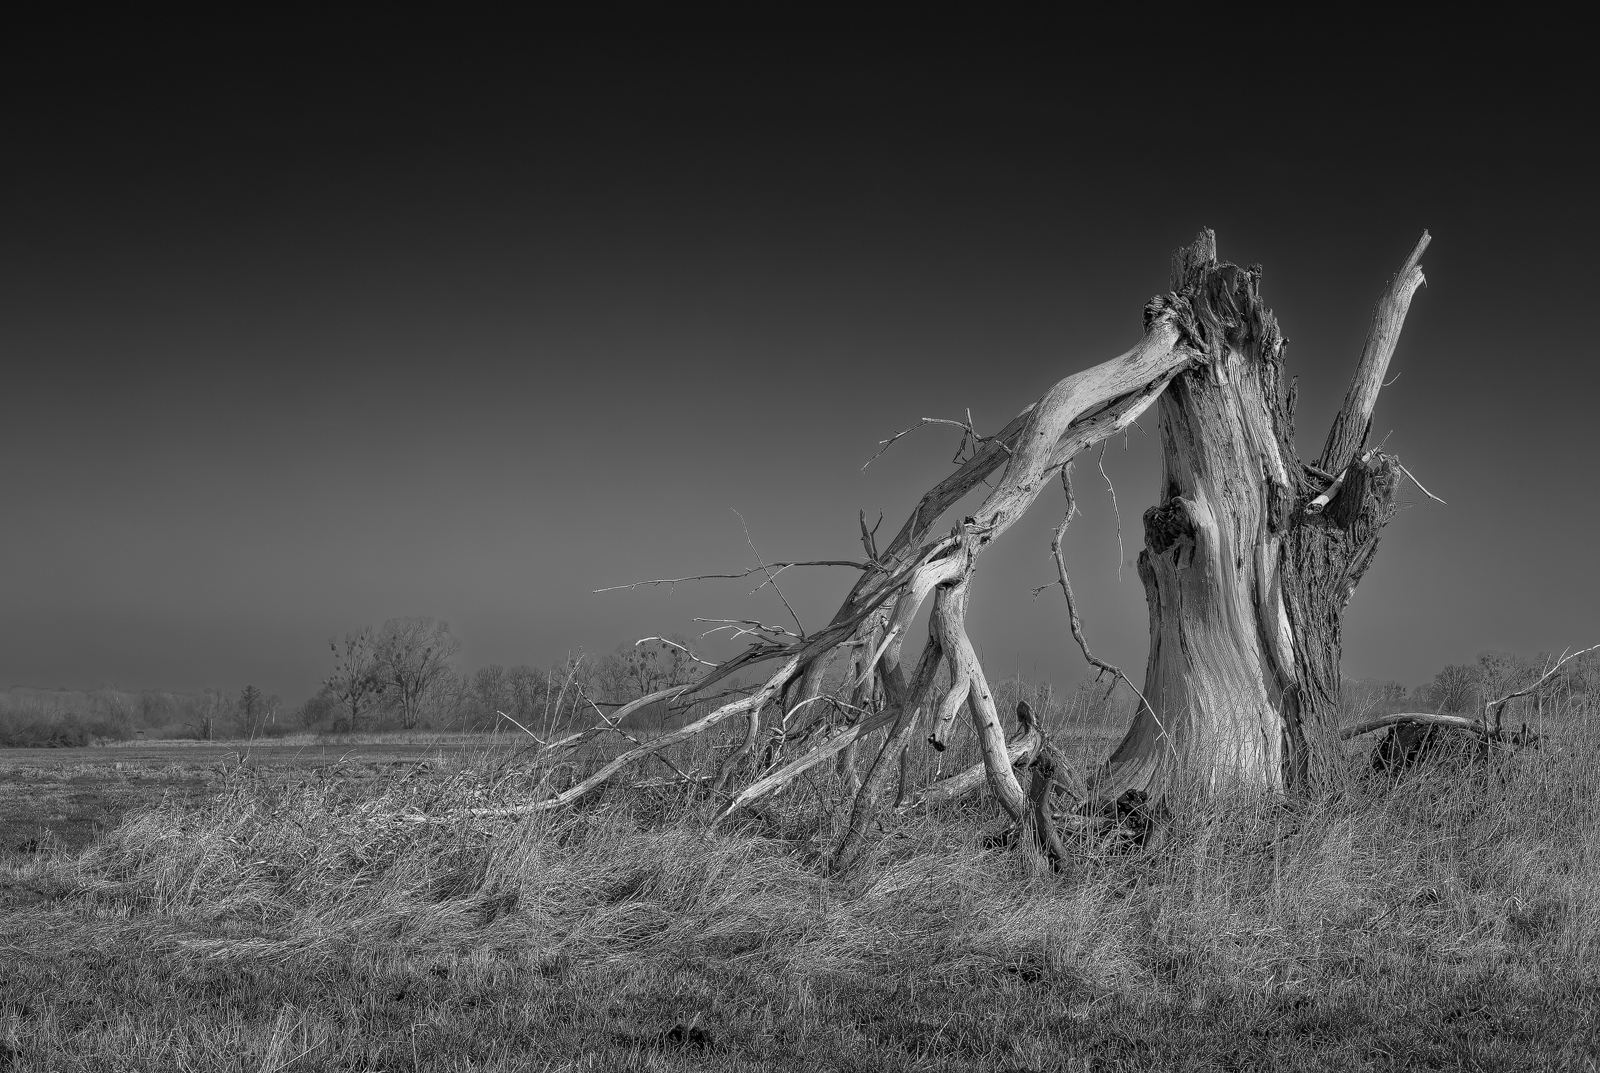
(1246, 571)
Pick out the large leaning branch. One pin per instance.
(1349, 431)
(1078, 411)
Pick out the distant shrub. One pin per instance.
(31, 730)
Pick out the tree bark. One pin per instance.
(1249, 561)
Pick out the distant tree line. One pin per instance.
(403, 675)
(42, 718)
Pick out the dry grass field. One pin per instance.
(332, 906)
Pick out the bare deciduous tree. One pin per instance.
(357, 680)
(252, 709)
(207, 709)
(414, 655)
(1454, 688)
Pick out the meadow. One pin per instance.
(334, 904)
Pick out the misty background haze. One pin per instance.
(435, 329)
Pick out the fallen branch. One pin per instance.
(798, 766)
(655, 745)
(1496, 708)
(1461, 722)
(614, 718)
(1078, 411)
(610, 723)
(1482, 727)
(1488, 726)
(1019, 751)
(1066, 426)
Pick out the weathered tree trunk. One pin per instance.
(1249, 561)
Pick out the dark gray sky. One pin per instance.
(465, 325)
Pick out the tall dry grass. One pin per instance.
(1366, 913)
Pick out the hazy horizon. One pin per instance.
(296, 348)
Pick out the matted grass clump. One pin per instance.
(1447, 918)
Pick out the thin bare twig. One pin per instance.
(676, 645)
(611, 724)
(1072, 608)
(742, 573)
(520, 727)
(1114, 509)
(737, 626)
(966, 427)
(1418, 483)
(771, 577)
